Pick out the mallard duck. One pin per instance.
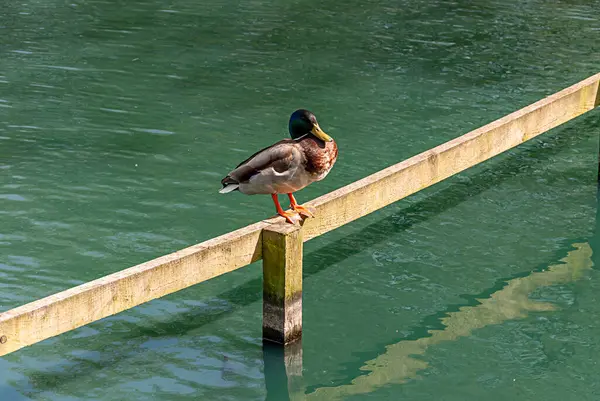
(287, 166)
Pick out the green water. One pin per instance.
(118, 119)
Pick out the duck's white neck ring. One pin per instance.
(301, 137)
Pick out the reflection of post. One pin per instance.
(283, 371)
(293, 368)
(398, 363)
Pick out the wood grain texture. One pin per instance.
(112, 294)
(117, 292)
(282, 283)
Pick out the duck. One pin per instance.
(287, 166)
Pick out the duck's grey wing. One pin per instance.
(280, 157)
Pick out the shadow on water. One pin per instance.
(521, 162)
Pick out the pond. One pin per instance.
(118, 120)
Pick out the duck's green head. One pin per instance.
(304, 122)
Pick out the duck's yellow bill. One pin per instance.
(319, 133)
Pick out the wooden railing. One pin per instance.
(278, 243)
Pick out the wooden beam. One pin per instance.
(421, 171)
(282, 283)
(117, 292)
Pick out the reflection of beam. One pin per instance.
(95, 300)
(397, 365)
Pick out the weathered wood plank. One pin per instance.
(112, 294)
(421, 171)
(117, 292)
(282, 283)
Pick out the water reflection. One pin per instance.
(283, 371)
(283, 367)
(277, 373)
(398, 363)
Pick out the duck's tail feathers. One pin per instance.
(229, 188)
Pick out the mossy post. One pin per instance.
(282, 283)
(282, 247)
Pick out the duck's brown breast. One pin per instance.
(320, 156)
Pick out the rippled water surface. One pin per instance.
(118, 119)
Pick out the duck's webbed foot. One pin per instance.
(291, 217)
(306, 211)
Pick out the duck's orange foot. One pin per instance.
(306, 211)
(291, 217)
